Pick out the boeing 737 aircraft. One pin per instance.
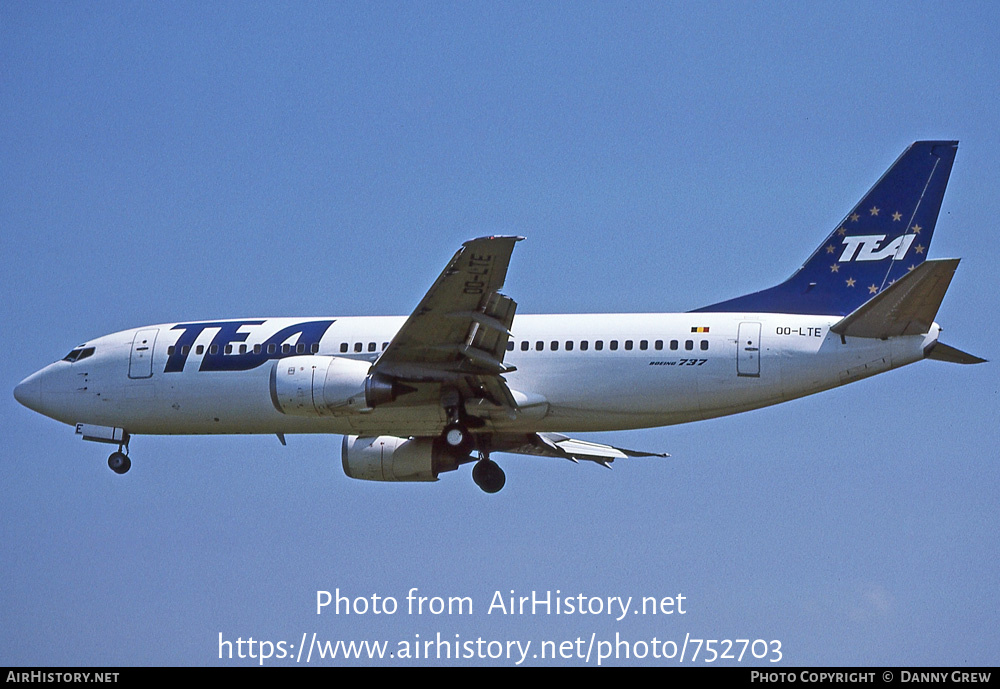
(462, 378)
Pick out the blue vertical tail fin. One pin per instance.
(884, 236)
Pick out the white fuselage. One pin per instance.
(648, 370)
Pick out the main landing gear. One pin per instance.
(459, 442)
(119, 462)
(488, 475)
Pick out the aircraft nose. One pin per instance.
(29, 392)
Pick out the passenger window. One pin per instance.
(257, 349)
(286, 348)
(704, 345)
(614, 345)
(524, 346)
(643, 345)
(554, 345)
(628, 345)
(689, 345)
(358, 346)
(658, 345)
(170, 350)
(214, 349)
(599, 345)
(539, 346)
(272, 348)
(569, 345)
(314, 348)
(200, 349)
(229, 349)
(243, 349)
(300, 348)
(343, 348)
(185, 349)
(371, 346)
(510, 345)
(584, 345)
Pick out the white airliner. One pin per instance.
(461, 376)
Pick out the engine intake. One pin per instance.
(387, 458)
(315, 385)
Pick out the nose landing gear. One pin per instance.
(119, 462)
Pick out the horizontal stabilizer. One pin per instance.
(943, 352)
(906, 307)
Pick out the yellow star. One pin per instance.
(854, 217)
(850, 282)
(830, 249)
(916, 229)
(834, 268)
(897, 216)
(892, 282)
(912, 268)
(872, 289)
(919, 248)
(873, 210)
(841, 231)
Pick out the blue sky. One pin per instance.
(166, 162)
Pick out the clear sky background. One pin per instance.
(175, 161)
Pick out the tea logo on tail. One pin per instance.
(865, 247)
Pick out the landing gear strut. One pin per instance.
(459, 442)
(456, 436)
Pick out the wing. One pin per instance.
(458, 333)
(564, 447)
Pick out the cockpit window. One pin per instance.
(79, 353)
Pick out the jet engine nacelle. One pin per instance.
(323, 385)
(387, 458)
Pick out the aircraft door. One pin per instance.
(748, 350)
(140, 363)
